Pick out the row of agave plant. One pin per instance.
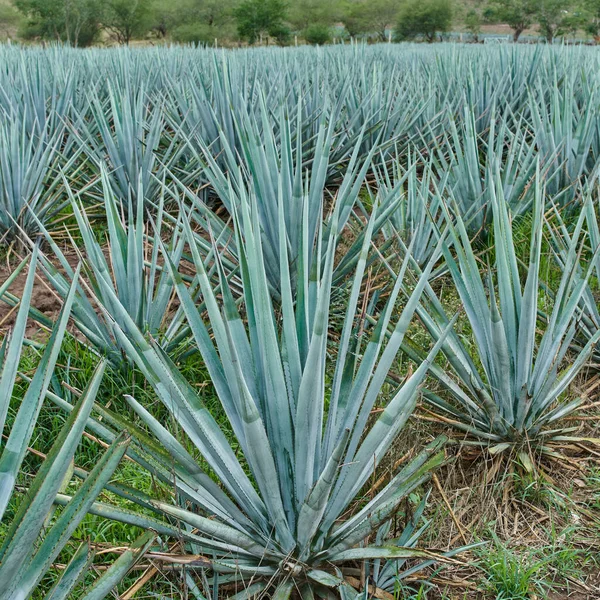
(233, 251)
(154, 115)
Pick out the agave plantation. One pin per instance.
(271, 264)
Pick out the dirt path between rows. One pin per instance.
(43, 298)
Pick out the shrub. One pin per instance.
(317, 34)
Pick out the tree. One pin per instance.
(165, 16)
(556, 18)
(353, 18)
(258, 18)
(423, 17)
(10, 18)
(308, 13)
(591, 17)
(369, 16)
(519, 15)
(213, 13)
(193, 33)
(201, 21)
(76, 22)
(126, 19)
(473, 24)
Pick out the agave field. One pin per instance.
(300, 323)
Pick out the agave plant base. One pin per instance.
(526, 452)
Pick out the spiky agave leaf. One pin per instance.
(419, 215)
(389, 575)
(123, 134)
(564, 136)
(26, 417)
(469, 166)
(562, 232)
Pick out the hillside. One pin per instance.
(9, 20)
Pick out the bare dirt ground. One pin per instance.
(43, 297)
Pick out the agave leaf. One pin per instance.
(78, 565)
(314, 506)
(19, 543)
(10, 357)
(71, 516)
(115, 573)
(211, 528)
(324, 578)
(389, 552)
(283, 591)
(250, 592)
(22, 428)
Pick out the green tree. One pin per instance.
(259, 18)
(213, 13)
(556, 17)
(473, 24)
(306, 13)
(362, 17)
(126, 19)
(423, 17)
(591, 17)
(193, 33)
(10, 19)
(165, 16)
(519, 15)
(76, 22)
(198, 21)
(353, 18)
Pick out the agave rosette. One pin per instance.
(130, 267)
(304, 453)
(519, 393)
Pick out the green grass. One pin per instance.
(509, 575)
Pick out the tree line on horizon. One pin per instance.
(86, 22)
